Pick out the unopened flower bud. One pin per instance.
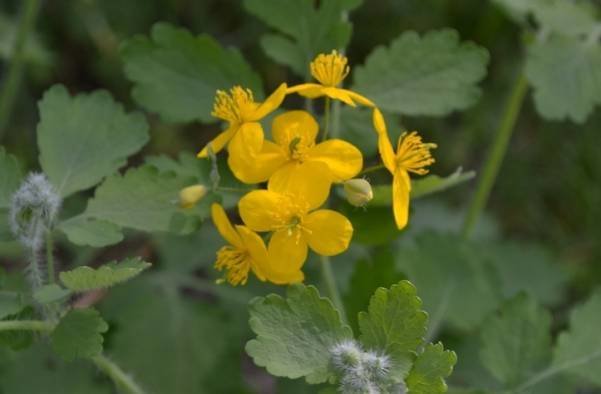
(358, 192)
(189, 196)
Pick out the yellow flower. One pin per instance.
(242, 113)
(296, 223)
(189, 196)
(412, 155)
(295, 156)
(246, 252)
(329, 71)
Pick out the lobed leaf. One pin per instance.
(79, 334)
(48, 294)
(429, 370)
(87, 278)
(82, 230)
(11, 303)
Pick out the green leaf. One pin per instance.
(48, 294)
(141, 199)
(79, 334)
(309, 30)
(394, 317)
(357, 128)
(516, 343)
(430, 75)
(566, 76)
(84, 138)
(421, 187)
(17, 340)
(87, 278)
(578, 350)
(82, 230)
(176, 74)
(11, 303)
(10, 177)
(295, 334)
(429, 370)
(448, 271)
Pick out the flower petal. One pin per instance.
(309, 182)
(261, 167)
(218, 142)
(328, 232)
(344, 160)
(384, 144)
(270, 104)
(224, 227)
(401, 188)
(258, 210)
(287, 254)
(247, 143)
(294, 124)
(359, 98)
(309, 90)
(256, 249)
(339, 94)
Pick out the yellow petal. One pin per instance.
(401, 188)
(384, 145)
(270, 104)
(360, 99)
(218, 142)
(328, 232)
(258, 210)
(259, 169)
(344, 160)
(224, 226)
(308, 182)
(339, 94)
(287, 254)
(293, 125)
(247, 143)
(256, 249)
(310, 90)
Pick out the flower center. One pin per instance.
(237, 263)
(413, 154)
(297, 149)
(330, 69)
(235, 106)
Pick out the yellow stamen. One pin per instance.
(413, 154)
(330, 69)
(234, 106)
(237, 263)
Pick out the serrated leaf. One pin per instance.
(110, 274)
(429, 370)
(312, 30)
(295, 334)
(430, 75)
(141, 199)
(91, 232)
(424, 186)
(84, 138)
(11, 303)
(176, 73)
(17, 339)
(566, 76)
(578, 350)
(79, 334)
(394, 317)
(10, 177)
(516, 342)
(48, 294)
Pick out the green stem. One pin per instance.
(495, 157)
(326, 115)
(120, 378)
(336, 119)
(367, 170)
(26, 325)
(331, 286)
(13, 76)
(50, 256)
(232, 189)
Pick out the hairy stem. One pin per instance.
(50, 256)
(124, 382)
(495, 157)
(26, 325)
(13, 76)
(331, 286)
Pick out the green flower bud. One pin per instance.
(358, 192)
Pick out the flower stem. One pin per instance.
(120, 378)
(11, 82)
(495, 157)
(326, 115)
(26, 325)
(330, 282)
(50, 256)
(367, 170)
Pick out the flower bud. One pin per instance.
(358, 192)
(189, 196)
